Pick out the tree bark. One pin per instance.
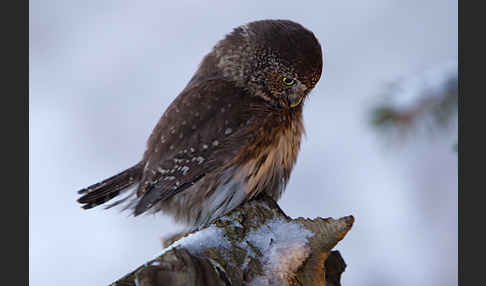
(256, 244)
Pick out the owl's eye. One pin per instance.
(288, 81)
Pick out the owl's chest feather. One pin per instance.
(274, 153)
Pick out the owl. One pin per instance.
(233, 133)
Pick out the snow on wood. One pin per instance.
(256, 244)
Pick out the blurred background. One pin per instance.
(381, 128)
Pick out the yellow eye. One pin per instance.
(288, 81)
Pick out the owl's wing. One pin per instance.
(200, 131)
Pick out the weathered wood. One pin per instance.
(256, 244)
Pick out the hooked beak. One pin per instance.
(295, 100)
(297, 95)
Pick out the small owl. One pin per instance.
(233, 133)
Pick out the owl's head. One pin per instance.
(278, 60)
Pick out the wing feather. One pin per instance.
(197, 135)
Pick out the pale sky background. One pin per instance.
(102, 73)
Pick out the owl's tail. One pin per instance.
(106, 190)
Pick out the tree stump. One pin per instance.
(255, 244)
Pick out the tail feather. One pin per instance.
(106, 190)
(127, 201)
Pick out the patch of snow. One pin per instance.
(284, 246)
(233, 221)
(210, 237)
(155, 263)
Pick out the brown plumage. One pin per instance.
(231, 134)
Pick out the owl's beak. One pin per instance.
(295, 98)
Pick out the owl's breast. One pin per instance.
(271, 156)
